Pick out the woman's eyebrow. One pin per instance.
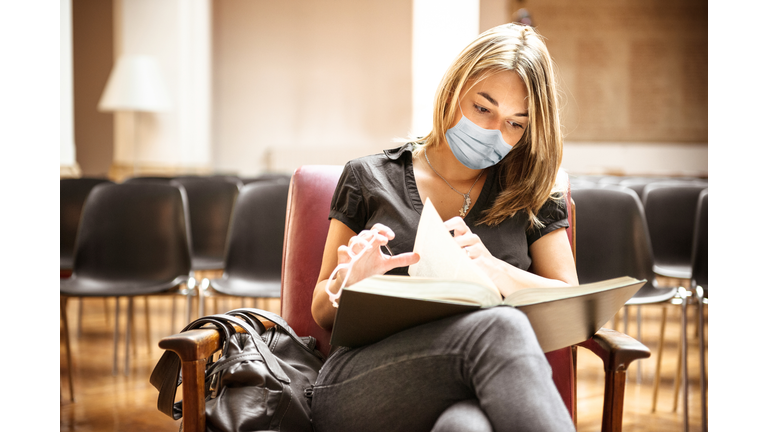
(496, 104)
(490, 99)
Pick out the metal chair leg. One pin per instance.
(80, 318)
(685, 359)
(702, 359)
(189, 291)
(63, 306)
(639, 378)
(625, 318)
(678, 375)
(106, 311)
(173, 315)
(117, 329)
(202, 290)
(128, 326)
(146, 325)
(657, 377)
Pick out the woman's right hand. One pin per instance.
(341, 246)
(369, 260)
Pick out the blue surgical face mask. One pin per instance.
(474, 146)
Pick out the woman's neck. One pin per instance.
(444, 162)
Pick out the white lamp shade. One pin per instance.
(135, 84)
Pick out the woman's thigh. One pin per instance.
(406, 381)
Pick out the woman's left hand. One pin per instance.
(552, 253)
(469, 242)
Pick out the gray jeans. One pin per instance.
(490, 358)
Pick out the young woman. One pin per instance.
(490, 167)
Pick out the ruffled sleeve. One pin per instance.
(347, 202)
(553, 215)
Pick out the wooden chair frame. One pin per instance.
(615, 349)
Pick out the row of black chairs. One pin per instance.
(149, 236)
(658, 227)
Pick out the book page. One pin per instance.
(440, 256)
(530, 296)
(415, 287)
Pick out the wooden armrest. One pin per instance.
(617, 351)
(193, 345)
(193, 348)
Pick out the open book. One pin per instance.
(446, 282)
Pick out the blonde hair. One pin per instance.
(528, 174)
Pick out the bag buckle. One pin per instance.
(215, 385)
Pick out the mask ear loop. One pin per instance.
(354, 257)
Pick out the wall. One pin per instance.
(92, 62)
(305, 82)
(67, 164)
(177, 140)
(634, 78)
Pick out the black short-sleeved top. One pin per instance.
(382, 189)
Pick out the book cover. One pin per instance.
(446, 282)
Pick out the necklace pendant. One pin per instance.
(465, 207)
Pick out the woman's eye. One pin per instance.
(481, 110)
(515, 125)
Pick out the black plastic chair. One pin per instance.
(638, 184)
(700, 287)
(151, 179)
(72, 195)
(255, 243)
(612, 240)
(210, 204)
(267, 177)
(670, 211)
(132, 242)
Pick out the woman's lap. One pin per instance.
(408, 380)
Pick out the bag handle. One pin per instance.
(275, 318)
(261, 346)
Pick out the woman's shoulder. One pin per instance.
(554, 209)
(386, 157)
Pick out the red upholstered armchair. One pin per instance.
(305, 233)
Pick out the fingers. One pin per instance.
(465, 238)
(384, 230)
(457, 225)
(402, 260)
(365, 239)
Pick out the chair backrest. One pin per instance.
(133, 232)
(210, 204)
(151, 179)
(700, 263)
(267, 177)
(72, 195)
(670, 211)
(611, 235)
(306, 230)
(255, 239)
(638, 184)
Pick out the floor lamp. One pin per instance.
(135, 85)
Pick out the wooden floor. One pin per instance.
(106, 402)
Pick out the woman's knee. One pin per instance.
(464, 416)
(505, 319)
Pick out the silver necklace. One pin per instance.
(467, 199)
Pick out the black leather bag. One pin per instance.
(258, 383)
